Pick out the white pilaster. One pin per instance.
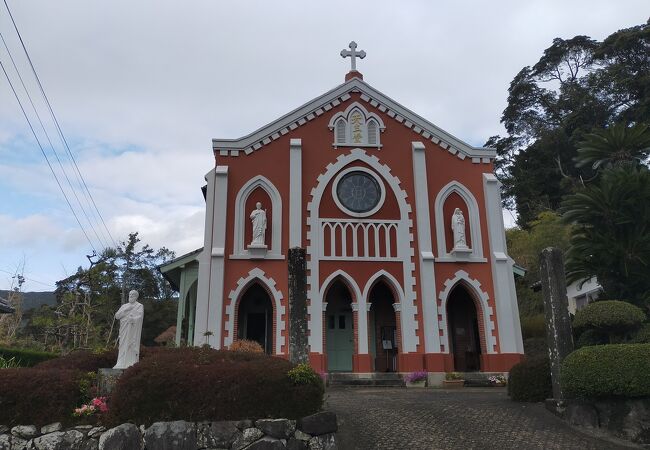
(427, 281)
(209, 303)
(295, 193)
(507, 310)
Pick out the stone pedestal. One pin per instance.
(298, 343)
(257, 251)
(559, 336)
(106, 380)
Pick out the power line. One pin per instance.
(47, 136)
(30, 279)
(45, 156)
(58, 127)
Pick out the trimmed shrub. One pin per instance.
(196, 384)
(642, 336)
(612, 317)
(533, 326)
(38, 397)
(24, 357)
(303, 374)
(591, 337)
(83, 360)
(614, 370)
(530, 380)
(245, 345)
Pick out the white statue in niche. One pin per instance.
(458, 228)
(258, 217)
(130, 316)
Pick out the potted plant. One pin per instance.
(453, 380)
(416, 379)
(497, 380)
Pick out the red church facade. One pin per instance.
(368, 189)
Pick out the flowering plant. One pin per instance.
(453, 376)
(497, 379)
(97, 404)
(415, 376)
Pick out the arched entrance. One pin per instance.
(382, 328)
(255, 317)
(464, 335)
(340, 327)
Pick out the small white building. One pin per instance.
(581, 293)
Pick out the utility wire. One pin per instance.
(56, 122)
(47, 136)
(46, 158)
(30, 279)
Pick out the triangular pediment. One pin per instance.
(320, 105)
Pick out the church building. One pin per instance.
(399, 226)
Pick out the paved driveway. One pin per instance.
(470, 418)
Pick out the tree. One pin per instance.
(9, 323)
(611, 214)
(577, 86)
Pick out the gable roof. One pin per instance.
(318, 106)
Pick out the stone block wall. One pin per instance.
(315, 432)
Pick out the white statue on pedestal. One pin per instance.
(458, 227)
(130, 316)
(258, 217)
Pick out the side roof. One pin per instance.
(318, 106)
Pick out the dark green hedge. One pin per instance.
(26, 358)
(38, 397)
(612, 317)
(642, 336)
(197, 384)
(530, 380)
(615, 370)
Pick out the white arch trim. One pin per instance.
(410, 339)
(392, 281)
(345, 114)
(348, 280)
(480, 295)
(474, 221)
(256, 275)
(239, 250)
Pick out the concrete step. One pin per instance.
(476, 379)
(361, 380)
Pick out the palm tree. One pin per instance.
(614, 146)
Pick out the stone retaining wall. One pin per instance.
(627, 419)
(315, 432)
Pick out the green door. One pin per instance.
(340, 341)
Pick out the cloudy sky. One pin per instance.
(141, 87)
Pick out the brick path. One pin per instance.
(471, 418)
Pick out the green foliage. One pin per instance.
(9, 363)
(610, 237)
(198, 384)
(617, 370)
(642, 336)
(535, 346)
(524, 246)
(158, 316)
(25, 357)
(577, 85)
(533, 326)
(613, 318)
(453, 376)
(38, 397)
(615, 146)
(88, 386)
(303, 374)
(530, 380)
(591, 337)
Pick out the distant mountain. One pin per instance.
(33, 299)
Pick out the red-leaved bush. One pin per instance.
(197, 384)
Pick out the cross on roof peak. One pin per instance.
(353, 54)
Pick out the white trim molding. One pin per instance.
(209, 301)
(240, 248)
(368, 131)
(320, 105)
(427, 269)
(295, 193)
(341, 206)
(409, 324)
(474, 221)
(510, 338)
(256, 275)
(362, 322)
(474, 286)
